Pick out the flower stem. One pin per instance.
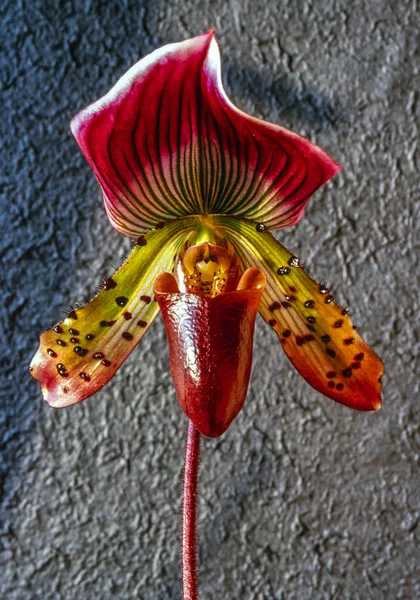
(189, 515)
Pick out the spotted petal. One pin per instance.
(167, 142)
(316, 334)
(81, 354)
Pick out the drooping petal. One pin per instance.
(210, 348)
(316, 334)
(81, 354)
(166, 142)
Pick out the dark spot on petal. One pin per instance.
(331, 384)
(106, 363)
(287, 333)
(380, 379)
(80, 351)
(338, 323)
(146, 299)
(359, 356)
(346, 372)
(72, 315)
(310, 327)
(329, 299)
(311, 319)
(323, 289)
(127, 316)
(294, 261)
(85, 376)
(293, 289)
(345, 312)
(309, 304)
(73, 331)
(309, 337)
(331, 352)
(90, 336)
(106, 323)
(121, 300)
(65, 389)
(272, 322)
(61, 343)
(283, 271)
(110, 284)
(141, 241)
(62, 370)
(99, 355)
(355, 365)
(260, 227)
(74, 340)
(348, 341)
(274, 306)
(159, 225)
(291, 298)
(142, 323)
(127, 336)
(331, 374)
(300, 340)
(52, 353)
(58, 329)
(286, 304)
(326, 338)
(30, 369)
(339, 386)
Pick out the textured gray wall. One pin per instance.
(302, 498)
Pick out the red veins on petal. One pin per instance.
(166, 142)
(210, 348)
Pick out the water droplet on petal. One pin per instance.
(294, 261)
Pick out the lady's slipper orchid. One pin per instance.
(199, 184)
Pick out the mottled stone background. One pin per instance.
(302, 498)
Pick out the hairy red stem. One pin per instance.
(189, 515)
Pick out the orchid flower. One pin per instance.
(199, 185)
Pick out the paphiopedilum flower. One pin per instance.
(199, 184)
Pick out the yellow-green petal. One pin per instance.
(80, 355)
(316, 334)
